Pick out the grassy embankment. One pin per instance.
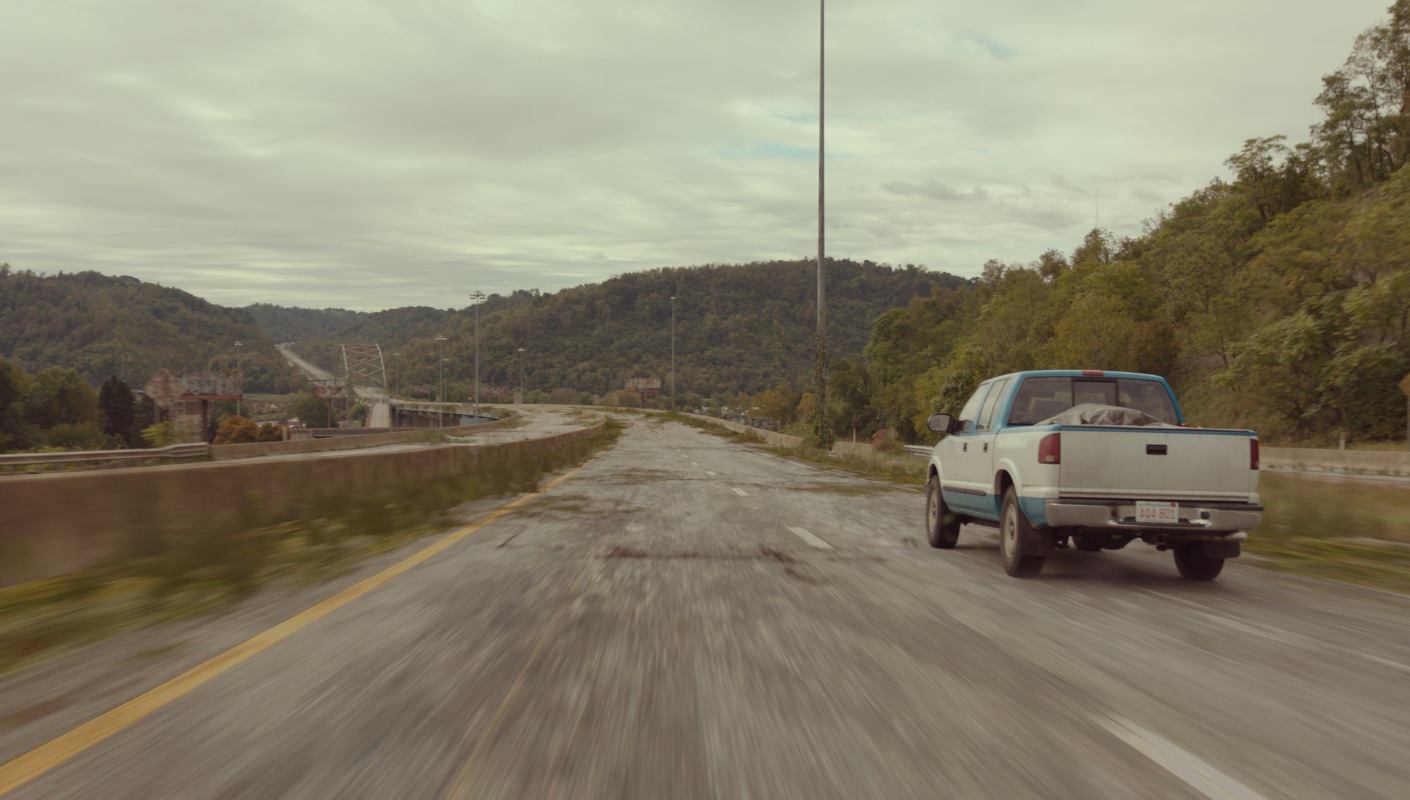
(1350, 530)
(208, 571)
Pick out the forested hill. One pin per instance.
(103, 326)
(739, 328)
(282, 324)
(1279, 299)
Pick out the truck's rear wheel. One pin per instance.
(1192, 563)
(1014, 530)
(942, 526)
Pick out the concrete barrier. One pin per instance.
(227, 452)
(1372, 462)
(64, 523)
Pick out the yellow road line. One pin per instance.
(46, 757)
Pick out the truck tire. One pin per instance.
(1014, 531)
(942, 526)
(1195, 565)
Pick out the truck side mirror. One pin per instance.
(941, 423)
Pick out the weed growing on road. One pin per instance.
(714, 429)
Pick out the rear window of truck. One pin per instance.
(1040, 398)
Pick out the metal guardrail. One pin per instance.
(95, 459)
(918, 450)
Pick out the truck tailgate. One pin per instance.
(1156, 463)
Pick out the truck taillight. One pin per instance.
(1050, 449)
(1253, 454)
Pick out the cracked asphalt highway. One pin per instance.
(691, 618)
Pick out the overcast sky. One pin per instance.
(372, 154)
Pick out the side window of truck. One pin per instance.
(970, 412)
(987, 415)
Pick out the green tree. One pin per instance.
(59, 395)
(779, 402)
(16, 433)
(119, 411)
(311, 411)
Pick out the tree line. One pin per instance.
(58, 410)
(99, 326)
(1279, 299)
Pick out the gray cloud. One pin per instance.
(934, 190)
(367, 155)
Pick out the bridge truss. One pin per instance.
(363, 366)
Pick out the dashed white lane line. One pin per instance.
(1201, 777)
(807, 536)
(740, 492)
(708, 472)
(1385, 662)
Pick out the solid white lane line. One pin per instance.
(1201, 777)
(740, 492)
(807, 536)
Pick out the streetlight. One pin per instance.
(440, 417)
(820, 436)
(476, 298)
(521, 376)
(240, 374)
(673, 352)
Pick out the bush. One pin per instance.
(86, 436)
(236, 430)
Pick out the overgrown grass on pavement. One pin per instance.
(895, 465)
(208, 571)
(712, 428)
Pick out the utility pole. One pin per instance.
(673, 352)
(476, 298)
(440, 415)
(821, 437)
(240, 375)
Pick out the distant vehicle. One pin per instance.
(1093, 459)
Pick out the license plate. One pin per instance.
(1157, 513)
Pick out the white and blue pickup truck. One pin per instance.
(1092, 460)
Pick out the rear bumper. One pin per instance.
(1195, 517)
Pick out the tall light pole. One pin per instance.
(821, 437)
(476, 298)
(240, 374)
(440, 417)
(521, 376)
(673, 352)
